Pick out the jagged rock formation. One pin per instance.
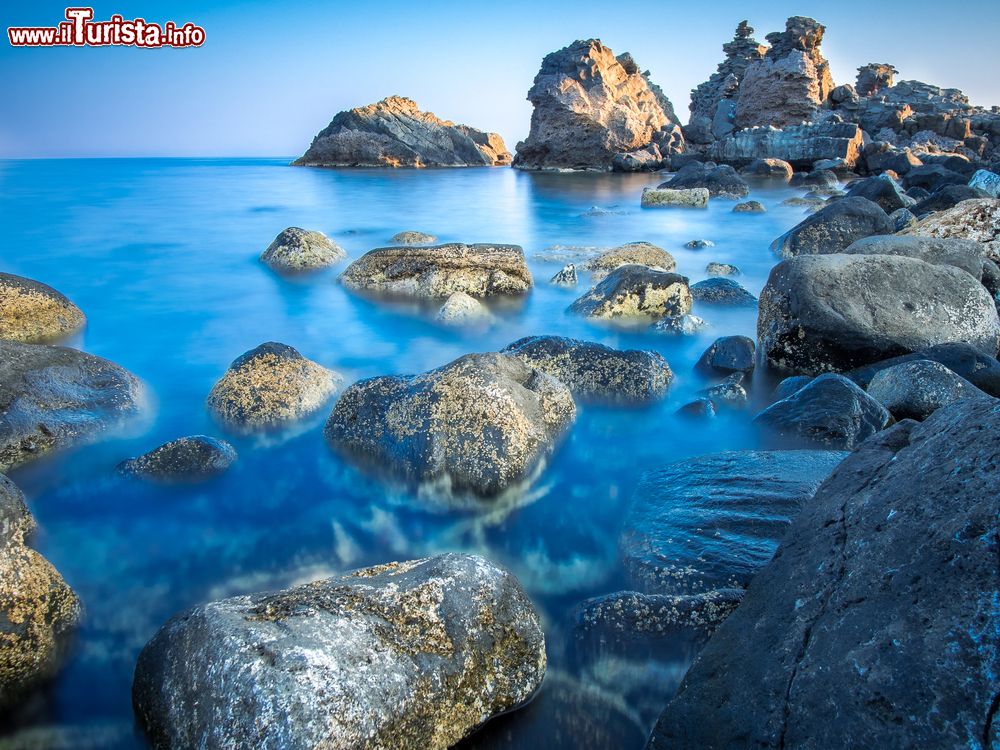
(395, 133)
(590, 106)
(874, 77)
(715, 98)
(800, 146)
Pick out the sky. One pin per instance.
(271, 75)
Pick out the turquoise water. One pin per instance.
(162, 256)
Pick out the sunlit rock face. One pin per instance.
(590, 106)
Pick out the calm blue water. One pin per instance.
(162, 255)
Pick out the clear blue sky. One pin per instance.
(272, 74)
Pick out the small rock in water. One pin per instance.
(636, 292)
(631, 253)
(830, 411)
(407, 654)
(462, 310)
(701, 408)
(565, 277)
(600, 211)
(915, 390)
(722, 269)
(730, 392)
(722, 291)
(270, 387)
(683, 325)
(594, 371)
(698, 244)
(727, 355)
(32, 312)
(298, 249)
(411, 237)
(749, 207)
(187, 459)
(660, 197)
(809, 201)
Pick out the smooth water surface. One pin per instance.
(162, 256)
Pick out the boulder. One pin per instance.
(722, 269)
(395, 133)
(833, 228)
(749, 207)
(816, 178)
(709, 523)
(874, 625)
(988, 182)
(839, 312)
(968, 255)
(595, 372)
(947, 197)
(882, 190)
(660, 197)
(408, 654)
(52, 397)
(769, 167)
(588, 107)
(972, 364)
(38, 610)
(187, 459)
(462, 310)
(727, 355)
(476, 426)
(932, 177)
(830, 411)
(410, 237)
(641, 253)
(32, 312)
(915, 390)
(722, 291)
(636, 292)
(566, 276)
(681, 325)
(438, 271)
(720, 180)
(302, 250)
(977, 220)
(269, 387)
(799, 145)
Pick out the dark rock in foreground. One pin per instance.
(840, 312)
(477, 425)
(438, 271)
(595, 372)
(833, 228)
(187, 459)
(33, 312)
(829, 412)
(709, 523)
(636, 292)
(395, 133)
(408, 655)
(52, 397)
(875, 624)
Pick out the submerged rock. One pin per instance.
(302, 250)
(32, 312)
(709, 523)
(411, 655)
(722, 269)
(271, 386)
(750, 207)
(395, 133)
(633, 291)
(661, 197)
(410, 237)
(730, 392)
(839, 312)
(52, 397)
(38, 610)
(683, 325)
(833, 228)
(879, 602)
(461, 310)
(829, 411)
(438, 271)
(915, 390)
(566, 276)
(588, 107)
(596, 372)
(720, 180)
(727, 355)
(477, 425)
(639, 253)
(187, 459)
(700, 408)
(722, 291)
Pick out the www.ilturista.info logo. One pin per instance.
(80, 30)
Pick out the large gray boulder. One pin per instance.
(838, 312)
(709, 523)
(296, 250)
(38, 610)
(875, 624)
(395, 133)
(588, 107)
(828, 412)
(477, 425)
(595, 372)
(53, 397)
(407, 655)
(635, 292)
(833, 228)
(438, 271)
(33, 312)
(915, 390)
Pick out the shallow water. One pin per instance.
(162, 255)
